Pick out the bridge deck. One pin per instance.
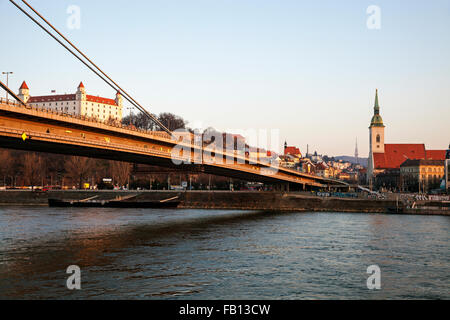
(53, 132)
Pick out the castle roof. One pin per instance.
(53, 98)
(100, 100)
(24, 86)
(71, 97)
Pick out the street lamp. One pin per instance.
(7, 80)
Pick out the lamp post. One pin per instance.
(7, 80)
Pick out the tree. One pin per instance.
(32, 169)
(140, 121)
(7, 164)
(172, 122)
(78, 168)
(120, 172)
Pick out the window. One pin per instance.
(378, 138)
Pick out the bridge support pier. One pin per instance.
(281, 187)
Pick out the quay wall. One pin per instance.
(247, 200)
(211, 200)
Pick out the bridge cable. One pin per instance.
(118, 88)
(98, 68)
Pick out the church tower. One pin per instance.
(376, 130)
(376, 134)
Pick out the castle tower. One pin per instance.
(24, 92)
(119, 99)
(81, 92)
(356, 152)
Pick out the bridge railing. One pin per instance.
(86, 118)
(251, 162)
(10, 102)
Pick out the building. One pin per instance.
(447, 170)
(307, 166)
(79, 103)
(385, 159)
(293, 151)
(323, 170)
(421, 175)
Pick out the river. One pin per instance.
(220, 254)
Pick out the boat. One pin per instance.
(116, 203)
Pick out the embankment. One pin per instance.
(212, 200)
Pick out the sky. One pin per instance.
(306, 68)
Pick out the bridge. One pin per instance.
(24, 127)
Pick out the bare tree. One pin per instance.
(78, 168)
(7, 164)
(172, 122)
(120, 171)
(140, 121)
(32, 169)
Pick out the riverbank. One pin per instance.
(221, 200)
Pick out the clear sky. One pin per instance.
(307, 68)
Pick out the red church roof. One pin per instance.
(24, 86)
(292, 151)
(395, 154)
(81, 85)
(436, 154)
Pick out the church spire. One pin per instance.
(377, 106)
(377, 121)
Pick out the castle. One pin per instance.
(79, 103)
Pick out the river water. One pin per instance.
(219, 254)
